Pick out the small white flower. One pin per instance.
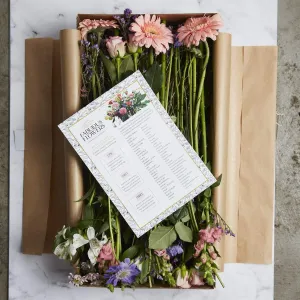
(65, 250)
(95, 244)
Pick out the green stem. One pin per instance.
(194, 65)
(191, 106)
(151, 57)
(200, 91)
(110, 225)
(183, 92)
(163, 81)
(92, 197)
(177, 88)
(135, 61)
(203, 129)
(94, 86)
(149, 270)
(192, 216)
(118, 244)
(98, 84)
(219, 279)
(169, 78)
(118, 63)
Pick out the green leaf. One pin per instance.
(131, 252)
(145, 270)
(186, 218)
(88, 193)
(127, 235)
(189, 251)
(88, 213)
(127, 67)
(185, 233)
(162, 237)
(218, 182)
(154, 77)
(109, 66)
(207, 193)
(84, 224)
(104, 227)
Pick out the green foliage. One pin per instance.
(162, 237)
(185, 233)
(110, 67)
(218, 182)
(145, 270)
(154, 77)
(127, 67)
(131, 252)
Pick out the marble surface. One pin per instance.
(44, 277)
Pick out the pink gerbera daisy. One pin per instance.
(86, 25)
(195, 30)
(149, 31)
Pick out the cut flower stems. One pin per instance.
(174, 59)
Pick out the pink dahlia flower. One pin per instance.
(149, 31)
(195, 30)
(86, 25)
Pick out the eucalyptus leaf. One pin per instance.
(127, 67)
(131, 252)
(162, 237)
(110, 67)
(154, 77)
(185, 233)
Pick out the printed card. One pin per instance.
(137, 154)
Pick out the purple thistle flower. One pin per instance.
(125, 273)
(174, 250)
(127, 13)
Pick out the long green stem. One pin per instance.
(169, 78)
(192, 216)
(98, 84)
(151, 56)
(118, 64)
(191, 106)
(118, 244)
(94, 86)
(177, 88)
(203, 128)
(135, 61)
(110, 225)
(183, 92)
(200, 91)
(216, 273)
(163, 79)
(194, 80)
(149, 270)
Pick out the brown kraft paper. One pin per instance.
(57, 206)
(257, 168)
(233, 158)
(38, 143)
(70, 58)
(221, 96)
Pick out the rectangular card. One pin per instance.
(137, 154)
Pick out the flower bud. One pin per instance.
(132, 46)
(115, 46)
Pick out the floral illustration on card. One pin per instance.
(125, 105)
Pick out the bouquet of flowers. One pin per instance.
(174, 59)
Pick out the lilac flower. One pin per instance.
(96, 47)
(176, 42)
(127, 13)
(125, 273)
(85, 43)
(77, 280)
(174, 250)
(84, 59)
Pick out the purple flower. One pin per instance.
(84, 59)
(125, 273)
(176, 42)
(127, 13)
(174, 250)
(96, 47)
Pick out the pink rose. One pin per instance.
(123, 111)
(183, 282)
(115, 46)
(116, 105)
(195, 279)
(106, 252)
